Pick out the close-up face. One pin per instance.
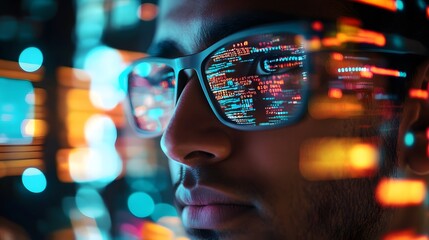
(289, 144)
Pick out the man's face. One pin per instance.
(235, 184)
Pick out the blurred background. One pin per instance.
(70, 167)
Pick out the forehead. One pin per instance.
(194, 25)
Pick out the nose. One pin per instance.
(194, 136)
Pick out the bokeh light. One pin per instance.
(163, 210)
(31, 59)
(34, 180)
(15, 111)
(399, 5)
(147, 11)
(141, 204)
(409, 139)
(400, 192)
(337, 158)
(408, 234)
(122, 13)
(90, 203)
(97, 166)
(100, 131)
(104, 65)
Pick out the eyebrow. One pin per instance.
(165, 48)
(211, 32)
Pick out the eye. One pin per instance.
(278, 64)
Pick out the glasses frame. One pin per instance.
(198, 60)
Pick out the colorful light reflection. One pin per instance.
(400, 192)
(332, 158)
(390, 5)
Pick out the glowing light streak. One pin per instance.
(356, 35)
(387, 72)
(366, 74)
(400, 192)
(385, 4)
(331, 158)
(10, 69)
(404, 235)
(321, 107)
(427, 12)
(419, 94)
(16, 167)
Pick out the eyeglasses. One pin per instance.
(253, 80)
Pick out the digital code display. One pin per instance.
(260, 80)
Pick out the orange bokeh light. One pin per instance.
(385, 71)
(335, 93)
(337, 56)
(154, 231)
(405, 235)
(324, 107)
(418, 93)
(400, 192)
(332, 158)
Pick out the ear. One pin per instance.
(413, 138)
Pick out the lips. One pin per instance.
(207, 208)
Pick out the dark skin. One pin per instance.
(258, 172)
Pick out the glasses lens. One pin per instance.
(151, 94)
(259, 80)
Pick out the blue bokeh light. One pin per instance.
(123, 13)
(163, 210)
(104, 65)
(90, 203)
(409, 139)
(141, 204)
(15, 110)
(399, 5)
(34, 180)
(31, 59)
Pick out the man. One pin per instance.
(286, 130)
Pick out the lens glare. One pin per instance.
(259, 80)
(151, 94)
